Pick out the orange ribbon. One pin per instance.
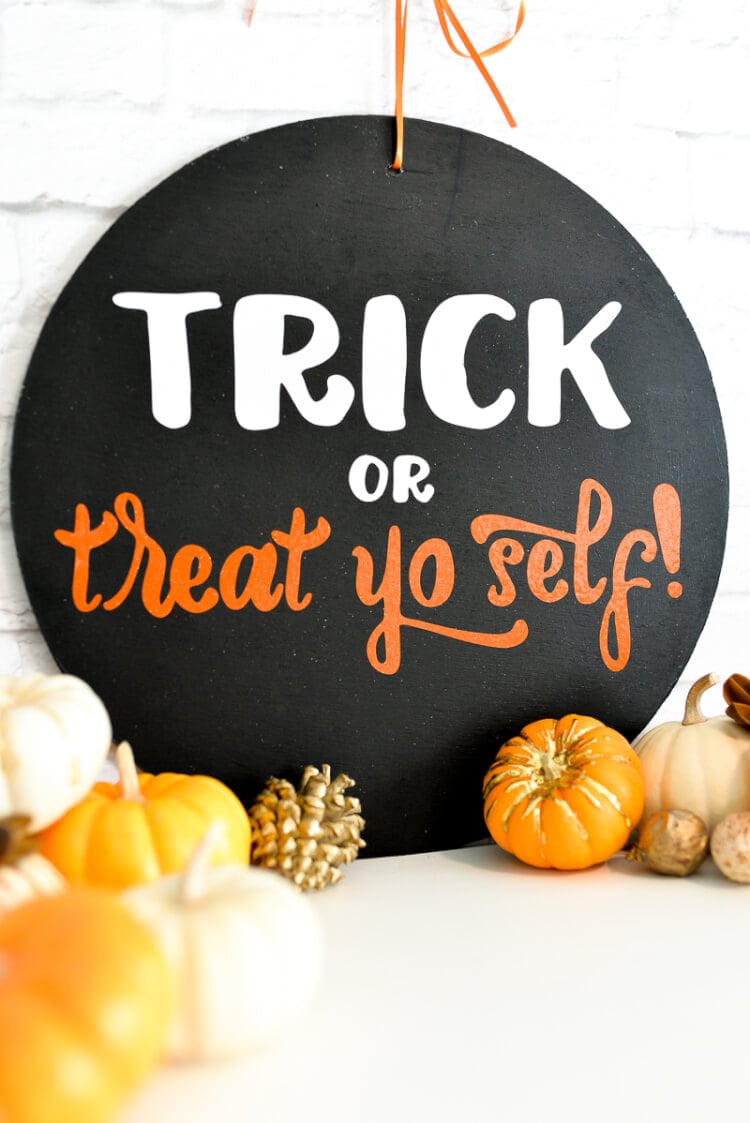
(448, 20)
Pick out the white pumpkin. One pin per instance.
(245, 949)
(24, 874)
(30, 877)
(54, 737)
(699, 765)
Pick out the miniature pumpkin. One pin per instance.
(143, 827)
(54, 737)
(563, 794)
(697, 764)
(245, 949)
(85, 1001)
(24, 874)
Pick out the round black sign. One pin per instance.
(318, 463)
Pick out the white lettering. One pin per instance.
(166, 313)
(358, 478)
(550, 355)
(444, 379)
(384, 363)
(408, 473)
(261, 368)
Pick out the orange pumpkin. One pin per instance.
(146, 826)
(563, 794)
(85, 1003)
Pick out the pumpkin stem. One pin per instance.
(193, 885)
(693, 715)
(129, 786)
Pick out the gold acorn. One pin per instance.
(307, 833)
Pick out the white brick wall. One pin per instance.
(644, 105)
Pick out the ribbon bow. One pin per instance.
(449, 23)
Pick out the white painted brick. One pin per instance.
(50, 245)
(706, 24)
(640, 177)
(637, 21)
(10, 269)
(107, 157)
(82, 51)
(719, 182)
(276, 63)
(16, 344)
(15, 611)
(331, 9)
(34, 654)
(722, 646)
(685, 87)
(10, 655)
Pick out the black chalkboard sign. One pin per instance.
(319, 463)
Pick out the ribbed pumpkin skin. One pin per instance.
(702, 767)
(54, 737)
(116, 842)
(563, 794)
(26, 879)
(85, 1001)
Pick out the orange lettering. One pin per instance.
(297, 542)
(502, 553)
(257, 589)
(545, 560)
(445, 572)
(129, 511)
(616, 611)
(585, 537)
(389, 594)
(191, 566)
(82, 539)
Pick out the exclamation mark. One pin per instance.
(668, 515)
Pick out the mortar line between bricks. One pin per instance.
(43, 203)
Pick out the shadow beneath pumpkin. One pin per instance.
(486, 855)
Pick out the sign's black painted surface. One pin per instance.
(317, 463)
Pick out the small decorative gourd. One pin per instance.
(673, 843)
(85, 1001)
(54, 739)
(730, 846)
(245, 950)
(701, 765)
(143, 827)
(24, 874)
(563, 794)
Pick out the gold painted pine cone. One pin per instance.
(307, 834)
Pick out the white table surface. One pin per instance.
(464, 985)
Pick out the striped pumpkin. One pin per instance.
(563, 794)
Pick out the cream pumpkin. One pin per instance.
(245, 950)
(54, 738)
(24, 874)
(30, 877)
(699, 764)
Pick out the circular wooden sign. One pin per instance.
(318, 463)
